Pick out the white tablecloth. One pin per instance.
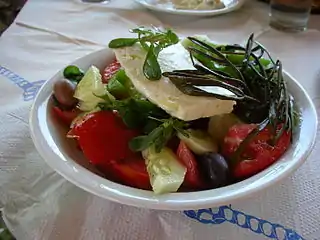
(39, 204)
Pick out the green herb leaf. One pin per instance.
(150, 126)
(151, 67)
(130, 113)
(120, 85)
(167, 133)
(172, 37)
(153, 41)
(117, 89)
(73, 73)
(139, 143)
(134, 112)
(122, 42)
(159, 136)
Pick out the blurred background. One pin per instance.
(8, 11)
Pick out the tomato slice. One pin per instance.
(192, 178)
(258, 154)
(110, 70)
(103, 137)
(131, 172)
(66, 116)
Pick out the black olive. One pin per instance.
(63, 91)
(215, 169)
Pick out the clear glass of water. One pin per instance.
(290, 15)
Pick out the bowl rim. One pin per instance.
(93, 183)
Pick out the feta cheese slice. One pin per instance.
(163, 92)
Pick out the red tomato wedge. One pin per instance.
(66, 116)
(192, 178)
(110, 70)
(258, 154)
(131, 172)
(103, 138)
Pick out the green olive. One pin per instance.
(198, 141)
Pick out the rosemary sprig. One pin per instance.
(256, 82)
(216, 52)
(182, 79)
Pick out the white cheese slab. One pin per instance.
(163, 92)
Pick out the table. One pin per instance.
(39, 204)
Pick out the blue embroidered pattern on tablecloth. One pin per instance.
(30, 89)
(205, 216)
(240, 219)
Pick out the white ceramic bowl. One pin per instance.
(62, 155)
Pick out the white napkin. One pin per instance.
(39, 204)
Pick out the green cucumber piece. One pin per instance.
(198, 141)
(89, 89)
(165, 171)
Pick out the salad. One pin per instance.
(172, 114)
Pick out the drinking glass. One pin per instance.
(290, 15)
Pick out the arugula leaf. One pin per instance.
(120, 85)
(159, 136)
(131, 113)
(117, 89)
(168, 131)
(151, 67)
(153, 41)
(134, 112)
(172, 36)
(139, 143)
(122, 42)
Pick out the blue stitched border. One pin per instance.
(205, 216)
(240, 219)
(30, 89)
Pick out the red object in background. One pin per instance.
(192, 178)
(110, 70)
(66, 116)
(258, 154)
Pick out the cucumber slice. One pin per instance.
(165, 171)
(89, 88)
(199, 141)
